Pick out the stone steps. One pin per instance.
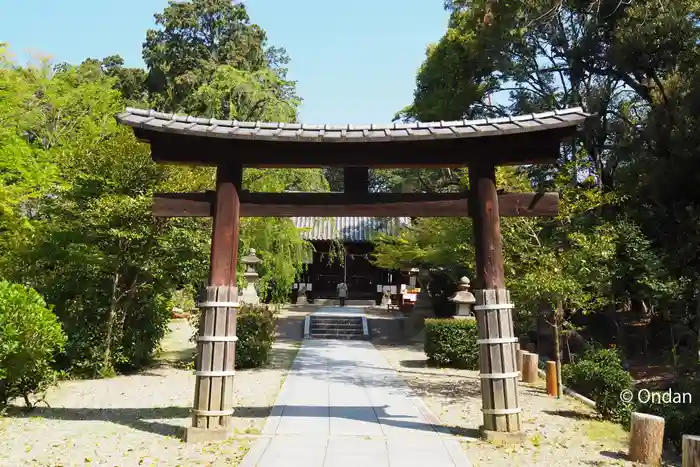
(332, 327)
(335, 301)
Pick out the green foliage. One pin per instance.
(246, 95)
(30, 336)
(75, 187)
(452, 342)
(599, 374)
(255, 328)
(192, 40)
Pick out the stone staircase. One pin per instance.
(335, 302)
(336, 327)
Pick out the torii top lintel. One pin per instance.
(524, 139)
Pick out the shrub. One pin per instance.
(30, 336)
(255, 328)
(599, 374)
(682, 418)
(452, 342)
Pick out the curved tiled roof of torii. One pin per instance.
(288, 132)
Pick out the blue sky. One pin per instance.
(355, 62)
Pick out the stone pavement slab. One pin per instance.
(343, 405)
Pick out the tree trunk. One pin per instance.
(110, 321)
(129, 301)
(557, 343)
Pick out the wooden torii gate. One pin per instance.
(481, 145)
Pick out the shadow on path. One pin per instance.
(150, 420)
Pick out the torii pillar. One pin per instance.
(214, 367)
(493, 310)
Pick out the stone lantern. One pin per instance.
(301, 295)
(250, 295)
(423, 303)
(464, 299)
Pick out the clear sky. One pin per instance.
(355, 62)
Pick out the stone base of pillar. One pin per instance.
(196, 435)
(508, 437)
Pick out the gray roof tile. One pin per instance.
(270, 131)
(348, 229)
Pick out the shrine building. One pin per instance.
(351, 238)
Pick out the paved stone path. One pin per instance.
(343, 405)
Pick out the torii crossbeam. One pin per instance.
(481, 145)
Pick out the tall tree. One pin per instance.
(194, 39)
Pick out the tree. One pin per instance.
(634, 65)
(197, 37)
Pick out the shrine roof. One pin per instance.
(348, 229)
(151, 120)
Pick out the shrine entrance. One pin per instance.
(480, 145)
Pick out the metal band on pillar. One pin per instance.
(498, 368)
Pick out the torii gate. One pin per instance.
(481, 145)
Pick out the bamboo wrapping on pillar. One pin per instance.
(214, 367)
(497, 360)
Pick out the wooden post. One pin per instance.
(214, 367)
(646, 439)
(530, 367)
(521, 355)
(518, 358)
(356, 180)
(691, 451)
(496, 339)
(552, 380)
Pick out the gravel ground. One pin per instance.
(560, 432)
(136, 419)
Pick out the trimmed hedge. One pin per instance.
(255, 328)
(452, 343)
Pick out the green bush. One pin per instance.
(255, 328)
(681, 418)
(30, 336)
(599, 375)
(452, 342)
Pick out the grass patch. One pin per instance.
(603, 431)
